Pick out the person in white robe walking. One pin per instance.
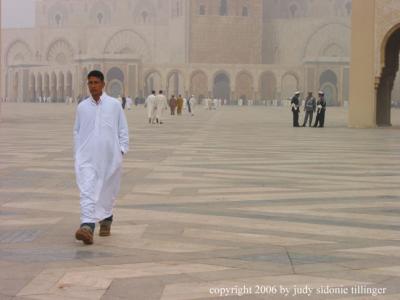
(192, 104)
(150, 105)
(161, 106)
(101, 138)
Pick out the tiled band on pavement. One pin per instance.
(232, 202)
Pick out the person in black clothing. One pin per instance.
(123, 102)
(321, 108)
(295, 104)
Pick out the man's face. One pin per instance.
(96, 86)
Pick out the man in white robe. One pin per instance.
(192, 104)
(150, 105)
(101, 139)
(129, 103)
(161, 106)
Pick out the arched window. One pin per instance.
(245, 11)
(223, 8)
(100, 18)
(202, 10)
(58, 19)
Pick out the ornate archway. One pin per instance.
(267, 86)
(222, 86)
(244, 86)
(175, 83)
(328, 84)
(152, 81)
(198, 85)
(290, 83)
(115, 82)
(128, 42)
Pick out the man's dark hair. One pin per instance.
(161, 91)
(153, 92)
(97, 74)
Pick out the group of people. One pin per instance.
(212, 104)
(178, 104)
(126, 102)
(156, 105)
(311, 106)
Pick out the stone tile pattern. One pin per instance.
(227, 198)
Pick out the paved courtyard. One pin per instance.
(228, 204)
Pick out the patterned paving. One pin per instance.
(232, 203)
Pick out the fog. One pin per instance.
(252, 52)
(17, 13)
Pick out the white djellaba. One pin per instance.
(101, 138)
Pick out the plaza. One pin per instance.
(209, 205)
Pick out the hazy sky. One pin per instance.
(17, 13)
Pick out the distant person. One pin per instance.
(161, 105)
(123, 102)
(101, 139)
(150, 105)
(129, 103)
(172, 104)
(295, 105)
(179, 103)
(309, 107)
(321, 108)
(192, 104)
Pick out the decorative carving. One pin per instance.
(60, 52)
(129, 43)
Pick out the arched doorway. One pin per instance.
(152, 82)
(115, 82)
(175, 84)
(385, 87)
(244, 87)
(290, 84)
(198, 85)
(222, 87)
(267, 86)
(328, 84)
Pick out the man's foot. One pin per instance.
(84, 234)
(105, 228)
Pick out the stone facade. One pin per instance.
(375, 61)
(249, 49)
